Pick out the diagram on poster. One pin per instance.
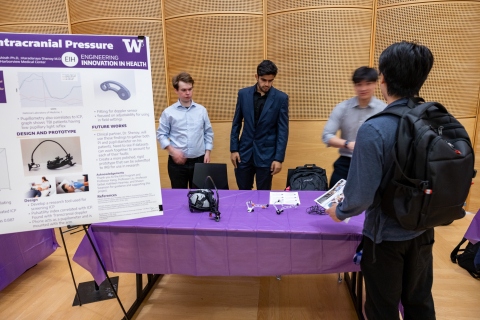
(78, 123)
(4, 176)
(50, 89)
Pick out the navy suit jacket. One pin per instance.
(268, 142)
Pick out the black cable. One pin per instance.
(316, 209)
(215, 209)
(205, 182)
(46, 141)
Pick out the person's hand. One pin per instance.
(235, 157)
(177, 156)
(276, 167)
(39, 188)
(351, 145)
(331, 212)
(206, 159)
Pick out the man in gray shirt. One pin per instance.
(348, 116)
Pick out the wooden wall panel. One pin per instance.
(285, 5)
(33, 11)
(451, 31)
(35, 28)
(304, 146)
(190, 7)
(221, 52)
(316, 52)
(388, 3)
(152, 29)
(81, 10)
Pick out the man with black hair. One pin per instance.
(260, 150)
(399, 267)
(348, 116)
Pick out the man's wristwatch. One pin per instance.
(346, 143)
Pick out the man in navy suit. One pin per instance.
(260, 150)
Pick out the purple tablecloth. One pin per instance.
(473, 232)
(260, 243)
(21, 251)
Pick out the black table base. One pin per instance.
(355, 287)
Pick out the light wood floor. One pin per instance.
(46, 292)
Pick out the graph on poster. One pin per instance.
(50, 89)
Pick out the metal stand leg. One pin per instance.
(339, 278)
(70, 266)
(106, 274)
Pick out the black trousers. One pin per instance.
(246, 171)
(403, 272)
(181, 175)
(340, 170)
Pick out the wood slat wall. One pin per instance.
(316, 45)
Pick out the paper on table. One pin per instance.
(284, 197)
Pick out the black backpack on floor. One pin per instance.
(466, 260)
(309, 177)
(433, 168)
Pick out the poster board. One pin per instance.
(77, 127)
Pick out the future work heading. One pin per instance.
(55, 44)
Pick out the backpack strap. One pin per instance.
(454, 254)
(400, 111)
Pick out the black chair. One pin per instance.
(289, 175)
(218, 172)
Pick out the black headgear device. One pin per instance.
(54, 164)
(204, 200)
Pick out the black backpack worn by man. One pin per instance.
(434, 167)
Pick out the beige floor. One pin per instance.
(46, 292)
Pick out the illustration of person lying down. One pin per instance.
(74, 186)
(45, 185)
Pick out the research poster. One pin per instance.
(77, 131)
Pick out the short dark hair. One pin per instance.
(405, 67)
(64, 188)
(365, 74)
(267, 67)
(182, 76)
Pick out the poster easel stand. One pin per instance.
(97, 288)
(105, 271)
(70, 266)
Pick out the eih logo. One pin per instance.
(132, 45)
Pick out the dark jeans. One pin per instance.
(245, 173)
(37, 193)
(340, 170)
(403, 272)
(181, 175)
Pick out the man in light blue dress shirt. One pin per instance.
(186, 132)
